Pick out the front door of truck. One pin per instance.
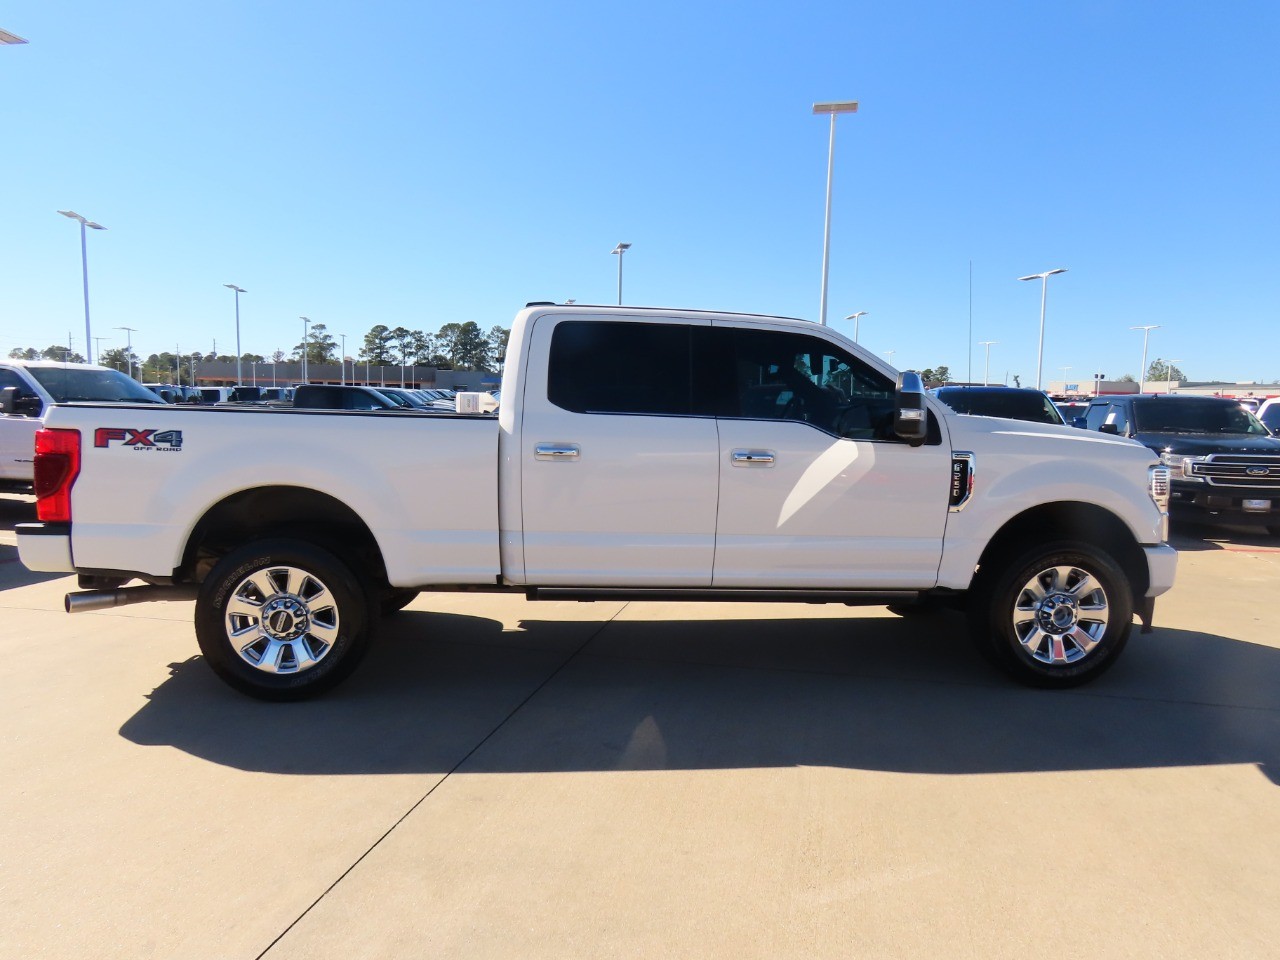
(618, 466)
(815, 490)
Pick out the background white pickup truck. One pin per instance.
(638, 453)
(33, 387)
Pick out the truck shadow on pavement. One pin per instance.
(862, 692)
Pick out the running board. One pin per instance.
(852, 598)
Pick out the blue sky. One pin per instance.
(418, 164)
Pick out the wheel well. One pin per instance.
(280, 511)
(1085, 522)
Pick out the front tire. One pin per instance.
(282, 620)
(1057, 616)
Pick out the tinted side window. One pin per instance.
(789, 376)
(610, 367)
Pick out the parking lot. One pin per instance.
(508, 779)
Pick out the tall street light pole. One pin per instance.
(238, 290)
(306, 335)
(1168, 372)
(854, 317)
(845, 106)
(1044, 294)
(343, 358)
(986, 370)
(97, 349)
(620, 249)
(84, 265)
(129, 332)
(1142, 374)
(889, 354)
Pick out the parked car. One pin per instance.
(1010, 403)
(1225, 462)
(412, 398)
(1269, 414)
(1070, 409)
(27, 390)
(166, 392)
(329, 396)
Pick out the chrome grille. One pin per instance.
(1239, 470)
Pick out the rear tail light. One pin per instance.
(57, 466)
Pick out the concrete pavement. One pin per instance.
(507, 780)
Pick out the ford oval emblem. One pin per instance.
(1257, 471)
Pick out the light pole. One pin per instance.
(1064, 378)
(254, 364)
(620, 249)
(1142, 374)
(343, 358)
(97, 349)
(1044, 294)
(1169, 373)
(889, 354)
(238, 290)
(129, 332)
(986, 370)
(84, 265)
(854, 317)
(846, 106)
(306, 334)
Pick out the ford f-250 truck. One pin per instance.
(639, 454)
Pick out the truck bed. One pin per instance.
(426, 484)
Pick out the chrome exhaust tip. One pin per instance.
(85, 600)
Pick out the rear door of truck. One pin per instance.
(618, 477)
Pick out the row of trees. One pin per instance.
(455, 346)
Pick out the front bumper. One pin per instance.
(1162, 565)
(1226, 504)
(45, 547)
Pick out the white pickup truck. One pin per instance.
(638, 454)
(28, 388)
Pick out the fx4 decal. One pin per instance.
(163, 440)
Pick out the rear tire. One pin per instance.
(396, 601)
(282, 619)
(1058, 616)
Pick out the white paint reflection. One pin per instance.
(843, 459)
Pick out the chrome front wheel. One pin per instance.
(1061, 615)
(1058, 615)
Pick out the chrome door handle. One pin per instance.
(752, 458)
(555, 451)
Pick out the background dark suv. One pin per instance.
(1225, 463)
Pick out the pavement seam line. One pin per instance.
(469, 754)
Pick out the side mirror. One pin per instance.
(910, 416)
(1109, 428)
(1079, 423)
(20, 404)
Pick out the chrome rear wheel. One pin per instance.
(283, 619)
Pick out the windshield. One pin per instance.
(1010, 404)
(69, 384)
(1195, 416)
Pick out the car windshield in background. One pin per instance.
(1012, 404)
(1195, 416)
(71, 384)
